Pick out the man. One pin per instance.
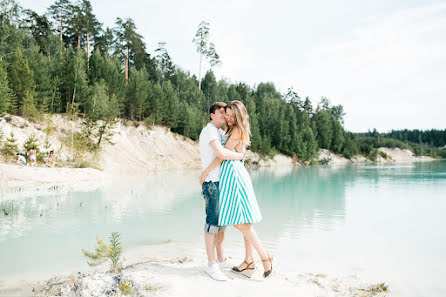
(210, 148)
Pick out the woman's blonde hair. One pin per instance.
(241, 121)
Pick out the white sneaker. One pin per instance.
(225, 264)
(215, 272)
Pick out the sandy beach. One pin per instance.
(17, 181)
(174, 271)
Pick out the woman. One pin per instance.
(32, 157)
(21, 160)
(238, 204)
(51, 158)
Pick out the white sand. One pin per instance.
(400, 156)
(17, 181)
(394, 155)
(184, 276)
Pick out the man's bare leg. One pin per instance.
(209, 239)
(219, 238)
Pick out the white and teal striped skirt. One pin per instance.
(238, 203)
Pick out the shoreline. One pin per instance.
(175, 271)
(17, 181)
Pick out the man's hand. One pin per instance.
(240, 148)
(202, 177)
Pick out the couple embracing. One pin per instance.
(227, 189)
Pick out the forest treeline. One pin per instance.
(66, 61)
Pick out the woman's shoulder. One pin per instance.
(236, 134)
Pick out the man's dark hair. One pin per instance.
(214, 107)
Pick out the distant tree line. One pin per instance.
(65, 61)
(430, 142)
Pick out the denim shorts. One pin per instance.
(211, 193)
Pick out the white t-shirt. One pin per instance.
(208, 134)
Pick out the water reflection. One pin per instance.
(304, 199)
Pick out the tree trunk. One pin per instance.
(78, 39)
(99, 141)
(126, 65)
(101, 133)
(88, 52)
(52, 100)
(199, 69)
(60, 37)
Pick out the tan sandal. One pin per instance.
(248, 272)
(268, 273)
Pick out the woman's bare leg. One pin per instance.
(250, 234)
(249, 256)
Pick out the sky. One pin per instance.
(384, 61)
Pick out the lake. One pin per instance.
(382, 223)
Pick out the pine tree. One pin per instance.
(209, 88)
(60, 13)
(307, 145)
(338, 141)
(5, 91)
(28, 110)
(164, 62)
(205, 47)
(155, 101)
(138, 90)
(91, 26)
(350, 146)
(40, 28)
(323, 122)
(185, 120)
(10, 147)
(102, 67)
(81, 92)
(129, 45)
(104, 42)
(32, 143)
(107, 252)
(171, 106)
(221, 93)
(40, 66)
(101, 115)
(22, 84)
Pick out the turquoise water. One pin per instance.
(383, 223)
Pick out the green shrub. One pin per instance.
(126, 288)
(373, 155)
(153, 287)
(32, 142)
(50, 128)
(10, 146)
(324, 161)
(149, 121)
(378, 288)
(103, 252)
(2, 136)
(442, 153)
(383, 154)
(83, 164)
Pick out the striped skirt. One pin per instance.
(237, 203)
